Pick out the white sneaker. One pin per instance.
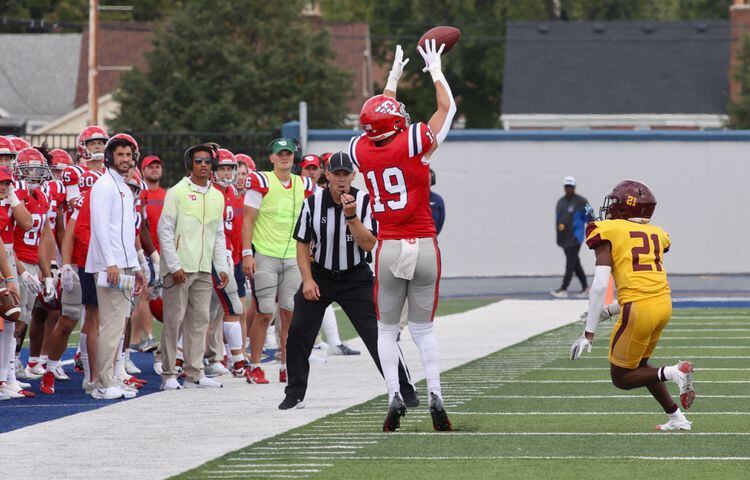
(203, 382)
(316, 359)
(559, 293)
(170, 384)
(4, 396)
(682, 373)
(33, 373)
(60, 373)
(131, 368)
(676, 422)
(215, 369)
(158, 368)
(9, 391)
(20, 371)
(342, 349)
(109, 393)
(127, 391)
(322, 346)
(87, 386)
(23, 384)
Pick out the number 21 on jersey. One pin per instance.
(394, 183)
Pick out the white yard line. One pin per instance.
(532, 434)
(399, 458)
(198, 415)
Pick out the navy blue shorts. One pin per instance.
(88, 288)
(240, 278)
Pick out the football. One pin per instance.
(443, 34)
(9, 305)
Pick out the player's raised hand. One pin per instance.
(399, 62)
(576, 349)
(431, 55)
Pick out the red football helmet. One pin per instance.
(60, 159)
(383, 116)
(629, 199)
(8, 149)
(156, 305)
(247, 160)
(19, 143)
(118, 140)
(92, 132)
(226, 158)
(135, 181)
(32, 167)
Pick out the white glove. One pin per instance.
(607, 312)
(50, 293)
(155, 259)
(69, 277)
(431, 57)
(397, 69)
(578, 346)
(32, 284)
(55, 271)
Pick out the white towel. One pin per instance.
(407, 262)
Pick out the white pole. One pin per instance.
(303, 126)
(93, 95)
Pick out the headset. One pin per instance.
(211, 148)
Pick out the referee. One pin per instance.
(338, 222)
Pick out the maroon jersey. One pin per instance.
(398, 179)
(26, 243)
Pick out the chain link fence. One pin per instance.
(170, 147)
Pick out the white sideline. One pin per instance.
(166, 433)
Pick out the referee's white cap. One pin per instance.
(569, 181)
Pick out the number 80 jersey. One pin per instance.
(637, 252)
(398, 179)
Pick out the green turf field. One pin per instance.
(527, 411)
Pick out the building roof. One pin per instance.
(38, 74)
(616, 67)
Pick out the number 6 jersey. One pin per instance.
(398, 178)
(637, 252)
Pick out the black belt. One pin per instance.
(338, 273)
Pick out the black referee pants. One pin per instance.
(354, 292)
(573, 265)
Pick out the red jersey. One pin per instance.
(398, 179)
(55, 192)
(4, 218)
(82, 232)
(22, 192)
(154, 201)
(26, 244)
(232, 220)
(78, 179)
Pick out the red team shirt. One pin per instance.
(26, 243)
(22, 193)
(78, 180)
(55, 192)
(82, 232)
(398, 178)
(154, 201)
(232, 220)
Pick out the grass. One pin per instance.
(519, 414)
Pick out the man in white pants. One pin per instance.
(112, 250)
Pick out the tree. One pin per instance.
(738, 107)
(234, 66)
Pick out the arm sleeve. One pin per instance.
(166, 233)
(596, 296)
(101, 202)
(303, 229)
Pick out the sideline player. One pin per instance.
(394, 156)
(631, 249)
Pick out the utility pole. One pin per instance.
(93, 62)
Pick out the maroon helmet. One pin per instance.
(629, 199)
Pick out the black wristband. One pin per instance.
(352, 217)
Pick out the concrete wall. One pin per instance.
(500, 190)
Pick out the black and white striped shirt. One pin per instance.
(321, 223)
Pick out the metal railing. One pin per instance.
(170, 146)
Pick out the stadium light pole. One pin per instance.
(93, 62)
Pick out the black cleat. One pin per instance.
(291, 402)
(409, 394)
(440, 420)
(396, 410)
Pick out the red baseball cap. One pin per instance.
(149, 160)
(309, 160)
(5, 174)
